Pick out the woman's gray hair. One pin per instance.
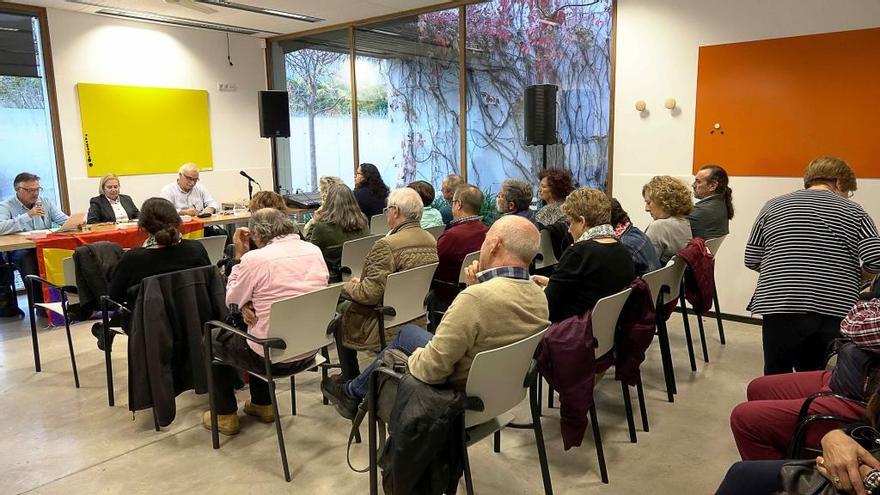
(518, 192)
(408, 203)
(269, 223)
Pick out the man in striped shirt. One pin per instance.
(810, 247)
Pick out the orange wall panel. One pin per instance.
(782, 102)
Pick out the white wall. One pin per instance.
(97, 49)
(657, 43)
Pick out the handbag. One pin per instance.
(802, 478)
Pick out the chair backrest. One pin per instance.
(436, 230)
(497, 377)
(604, 320)
(468, 261)
(713, 245)
(69, 271)
(670, 276)
(214, 245)
(545, 256)
(353, 254)
(302, 321)
(379, 224)
(405, 291)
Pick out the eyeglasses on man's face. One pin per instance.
(31, 190)
(189, 179)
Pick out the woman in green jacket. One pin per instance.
(339, 220)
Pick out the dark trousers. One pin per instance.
(348, 358)
(752, 477)
(798, 341)
(235, 350)
(25, 261)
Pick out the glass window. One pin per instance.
(26, 142)
(512, 45)
(408, 97)
(317, 76)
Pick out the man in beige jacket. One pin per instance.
(500, 306)
(406, 246)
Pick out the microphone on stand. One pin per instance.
(251, 181)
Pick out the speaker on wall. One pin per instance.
(274, 114)
(540, 114)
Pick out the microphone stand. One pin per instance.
(250, 189)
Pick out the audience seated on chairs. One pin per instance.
(369, 189)
(324, 184)
(595, 266)
(515, 198)
(24, 212)
(556, 184)
(809, 247)
(282, 267)
(339, 220)
(406, 246)
(164, 251)
(464, 235)
(714, 209)
(447, 188)
(431, 216)
(109, 205)
(500, 306)
(642, 251)
(668, 201)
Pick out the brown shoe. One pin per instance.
(227, 424)
(262, 413)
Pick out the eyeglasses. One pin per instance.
(31, 189)
(191, 179)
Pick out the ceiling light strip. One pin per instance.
(261, 10)
(179, 21)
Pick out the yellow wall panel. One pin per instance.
(129, 130)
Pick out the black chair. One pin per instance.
(312, 312)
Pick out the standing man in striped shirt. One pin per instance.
(810, 247)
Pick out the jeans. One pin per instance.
(410, 338)
(752, 477)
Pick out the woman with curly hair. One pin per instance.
(556, 185)
(668, 200)
(369, 190)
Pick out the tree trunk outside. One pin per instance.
(313, 158)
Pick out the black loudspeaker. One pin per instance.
(274, 114)
(540, 114)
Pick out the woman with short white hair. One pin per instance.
(109, 205)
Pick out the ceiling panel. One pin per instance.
(332, 11)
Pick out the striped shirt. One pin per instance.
(807, 246)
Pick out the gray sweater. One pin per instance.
(669, 236)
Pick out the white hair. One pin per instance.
(188, 167)
(408, 203)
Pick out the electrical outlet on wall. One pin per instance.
(227, 87)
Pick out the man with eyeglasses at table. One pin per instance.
(24, 212)
(187, 195)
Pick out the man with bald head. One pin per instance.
(500, 306)
(187, 195)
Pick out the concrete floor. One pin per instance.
(55, 438)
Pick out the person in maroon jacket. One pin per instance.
(464, 235)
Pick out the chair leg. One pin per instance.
(292, 396)
(718, 317)
(496, 441)
(540, 381)
(108, 365)
(32, 317)
(212, 400)
(278, 431)
(687, 329)
(597, 439)
(666, 359)
(627, 405)
(156, 420)
(70, 346)
(326, 354)
(535, 404)
(551, 403)
(643, 410)
(465, 462)
(703, 338)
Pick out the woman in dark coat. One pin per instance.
(109, 205)
(369, 190)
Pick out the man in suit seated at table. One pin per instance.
(24, 212)
(187, 195)
(500, 306)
